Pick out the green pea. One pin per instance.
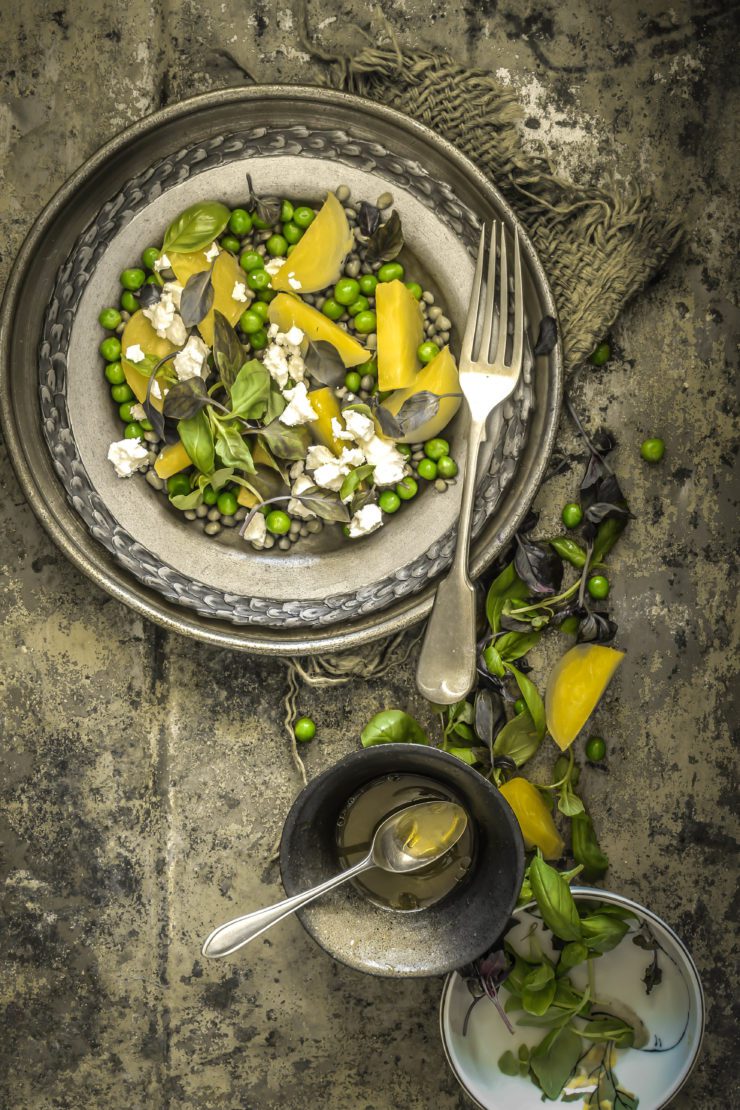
(332, 309)
(368, 282)
(109, 319)
(291, 233)
(652, 450)
(391, 271)
(389, 501)
(362, 304)
(129, 302)
(365, 322)
(427, 470)
(252, 260)
(519, 706)
(132, 279)
(227, 503)
(277, 522)
(598, 587)
(258, 280)
(601, 355)
(346, 291)
(231, 243)
(114, 373)
(124, 411)
(267, 295)
(133, 431)
(572, 514)
(290, 250)
(415, 289)
(427, 351)
(149, 257)
(240, 222)
(121, 393)
(210, 496)
(277, 245)
(259, 340)
(352, 380)
(303, 216)
(595, 749)
(286, 211)
(304, 729)
(407, 488)
(259, 308)
(436, 448)
(404, 449)
(178, 484)
(110, 349)
(250, 322)
(154, 279)
(370, 367)
(146, 425)
(446, 467)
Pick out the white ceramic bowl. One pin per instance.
(673, 1013)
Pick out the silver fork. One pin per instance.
(447, 663)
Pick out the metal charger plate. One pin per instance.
(57, 436)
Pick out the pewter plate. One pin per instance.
(59, 421)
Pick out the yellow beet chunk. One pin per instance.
(226, 272)
(138, 330)
(287, 312)
(324, 402)
(246, 498)
(171, 460)
(400, 331)
(574, 689)
(534, 818)
(439, 376)
(318, 256)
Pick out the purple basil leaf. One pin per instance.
(197, 298)
(185, 399)
(540, 568)
(389, 425)
(596, 628)
(149, 295)
(324, 364)
(368, 217)
(386, 243)
(548, 336)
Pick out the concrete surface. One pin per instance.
(145, 777)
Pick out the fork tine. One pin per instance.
(503, 302)
(472, 318)
(516, 354)
(484, 355)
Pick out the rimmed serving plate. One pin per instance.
(58, 418)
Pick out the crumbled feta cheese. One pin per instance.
(162, 263)
(190, 362)
(293, 281)
(294, 336)
(276, 363)
(256, 531)
(330, 471)
(239, 292)
(389, 463)
(361, 426)
(165, 320)
(212, 252)
(299, 410)
(273, 331)
(296, 507)
(365, 520)
(127, 456)
(134, 353)
(156, 391)
(138, 412)
(177, 333)
(273, 265)
(283, 358)
(173, 290)
(338, 431)
(297, 469)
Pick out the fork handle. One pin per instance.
(447, 661)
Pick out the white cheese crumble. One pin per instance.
(365, 520)
(299, 410)
(190, 362)
(127, 456)
(273, 265)
(138, 412)
(239, 292)
(283, 358)
(134, 353)
(293, 281)
(301, 483)
(256, 531)
(330, 471)
(389, 463)
(156, 391)
(293, 336)
(275, 361)
(162, 263)
(173, 290)
(212, 252)
(165, 320)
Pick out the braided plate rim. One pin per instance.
(78, 270)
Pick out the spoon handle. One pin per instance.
(234, 934)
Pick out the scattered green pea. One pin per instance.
(427, 351)
(154, 279)
(257, 280)
(146, 425)
(110, 349)
(389, 501)
(365, 322)
(109, 319)
(404, 449)
(227, 503)
(267, 295)
(415, 289)
(332, 309)
(133, 431)
(427, 470)
(595, 749)
(132, 279)
(346, 291)
(303, 216)
(290, 250)
(149, 257)
(276, 245)
(240, 222)
(407, 488)
(277, 522)
(286, 211)
(368, 283)
(601, 355)
(519, 706)
(231, 243)
(129, 302)
(291, 233)
(652, 450)
(598, 587)
(259, 340)
(251, 260)
(352, 380)
(362, 304)
(210, 496)
(572, 514)
(370, 367)
(436, 448)
(391, 271)
(250, 322)
(447, 467)
(178, 485)
(121, 393)
(114, 373)
(304, 729)
(124, 411)
(259, 308)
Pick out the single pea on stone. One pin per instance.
(114, 373)
(598, 587)
(389, 501)
(652, 450)
(595, 749)
(352, 381)
(435, 449)
(427, 351)
(572, 514)
(446, 467)
(110, 349)
(601, 355)
(129, 302)
(121, 393)
(427, 469)
(304, 729)
(277, 522)
(227, 503)
(303, 216)
(109, 318)
(132, 279)
(240, 222)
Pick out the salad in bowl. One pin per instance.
(276, 369)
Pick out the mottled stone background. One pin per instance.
(145, 777)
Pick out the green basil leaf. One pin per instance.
(513, 645)
(554, 1059)
(228, 352)
(519, 739)
(196, 228)
(393, 726)
(187, 500)
(539, 977)
(197, 439)
(532, 698)
(232, 448)
(196, 299)
(602, 932)
(144, 367)
(571, 956)
(493, 661)
(507, 585)
(325, 504)
(538, 1002)
(276, 404)
(508, 1064)
(586, 848)
(285, 442)
(184, 399)
(353, 479)
(608, 1029)
(554, 901)
(219, 478)
(568, 802)
(250, 391)
(465, 754)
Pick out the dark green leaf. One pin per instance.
(353, 479)
(267, 208)
(324, 364)
(507, 585)
(196, 228)
(187, 500)
(197, 439)
(285, 442)
(368, 218)
(219, 478)
(519, 739)
(276, 404)
(603, 932)
(554, 901)
(184, 399)
(228, 352)
(554, 1059)
(607, 535)
(197, 298)
(325, 504)
(386, 242)
(232, 449)
(513, 645)
(539, 977)
(493, 661)
(572, 955)
(531, 696)
(465, 754)
(568, 802)
(596, 628)
(508, 1064)
(389, 426)
(538, 1002)
(586, 849)
(145, 366)
(250, 391)
(488, 714)
(393, 726)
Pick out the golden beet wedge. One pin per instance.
(400, 331)
(287, 311)
(574, 688)
(534, 818)
(324, 402)
(226, 273)
(440, 377)
(318, 256)
(171, 460)
(139, 331)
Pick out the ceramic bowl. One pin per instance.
(381, 941)
(673, 1014)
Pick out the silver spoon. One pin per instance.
(408, 840)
